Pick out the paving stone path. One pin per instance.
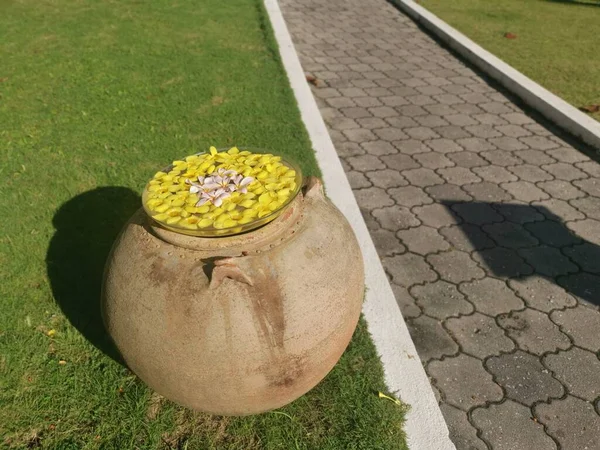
(487, 222)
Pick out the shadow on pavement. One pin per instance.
(528, 241)
(86, 227)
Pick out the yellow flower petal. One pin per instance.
(203, 223)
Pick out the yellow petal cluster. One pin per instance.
(170, 202)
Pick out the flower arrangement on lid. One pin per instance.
(221, 193)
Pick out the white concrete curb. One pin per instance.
(546, 103)
(425, 427)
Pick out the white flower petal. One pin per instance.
(194, 189)
(246, 181)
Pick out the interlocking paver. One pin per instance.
(477, 213)
(525, 191)
(491, 296)
(584, 286)
(432, 340)
(509, 426)
(503, 262)
(422, 177)
(535, 157)
(487, 192)
(431, 121)
(359, 135)
(452, 132)
(534, 331)
(531, 173)
(578, 369)
(494, 174)
(464, 382)
(462, 433)
(559, 210)
(539, 143)
(458, 175)
(387, 243)
(343, 123)
(390, 134)
(508, 143)
(467, 237)
(541, 293)
(407, 304)
(436, 215)
(371, 123)
(357, 179)
(399, 162)
(572, 422)
(588, 229)
(385, 178)
(441, 300)
(552, 233)
(548, 261)
(513, 130)
(421, 133)
(447, 193)
(347, 148)
(467, 159)
(524, 378)
(587, 256)
(364, 163)
(395, 218)
(500, 158)
(423, 240)
(510, 235)
(478, 335)
(444, 146)
(518, 118)
(474, 144)
(561, 189)
(590, 206)
(582, 324)
(405, 115)
(564, 171)
(455, 266)
(409, 269)
(379, 148)
(374, 197)
(590, 167)
(568, 155)
(411, 147)
(410, 196)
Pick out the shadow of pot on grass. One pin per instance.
(86, 227)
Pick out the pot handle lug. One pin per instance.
(228, 268)
(313, 189)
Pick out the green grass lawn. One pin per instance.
(557, 43)
(94, 97)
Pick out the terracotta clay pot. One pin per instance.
(242, 324)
